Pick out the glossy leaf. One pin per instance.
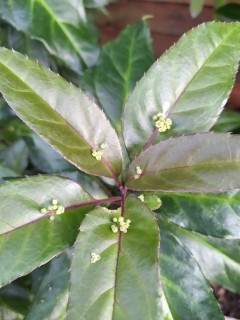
(188, 86)
(15, 157)
(209, 214)
(121, 64)
(129, 263)
(50, 300)
(227, 122)
(44, 157)
(29, 244)
(218, 258)
(201, 163)
(23, 44)
(196, 7)
(92, 185)
(230, 11)
(188, 295)
(50, 106)
(64, 31)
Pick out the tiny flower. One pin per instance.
(141, 197)
(114, 228)
(115, 219)
(136, 176)
(43, 210)
(50, 208)
(103, 145)
(138, 170)
(54, 201)
(55, 207)
(95, 257)
(52, 218)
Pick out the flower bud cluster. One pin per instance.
(122, 225)
(55, 208)
(98, 154)
(95, 257)
(138, 171)
(162, 123)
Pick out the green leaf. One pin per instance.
(230, 11)
(92, 185)
(29, 244)
(29, 199)
(8, 314)
(187, 293)
(64, 31)
(7, 173)
(102, 286)
(189, 86)
(44, 157)
(201, 163)
(121, 64)
(15, 157)
(96, 3)
(218, 258)
(152, 201)
(60, 113)
(50, 300)
(209, 214)
(196, 7)
(16, 297)
(227, 122)
(32, 48)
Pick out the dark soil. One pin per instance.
(229, 302)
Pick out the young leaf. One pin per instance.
(202, 163)
(60, 113)
(121, 64)
(64, 31)
(50, 300)
(33, 242)
(196, 7)
(218, 258)
(209, 214)
(151, 200)
(228, 121)
(129, 262)
(189, 86)
(187, 293)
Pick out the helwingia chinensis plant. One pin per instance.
(137, 248)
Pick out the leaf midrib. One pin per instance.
(61, 25)
(67, 123)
